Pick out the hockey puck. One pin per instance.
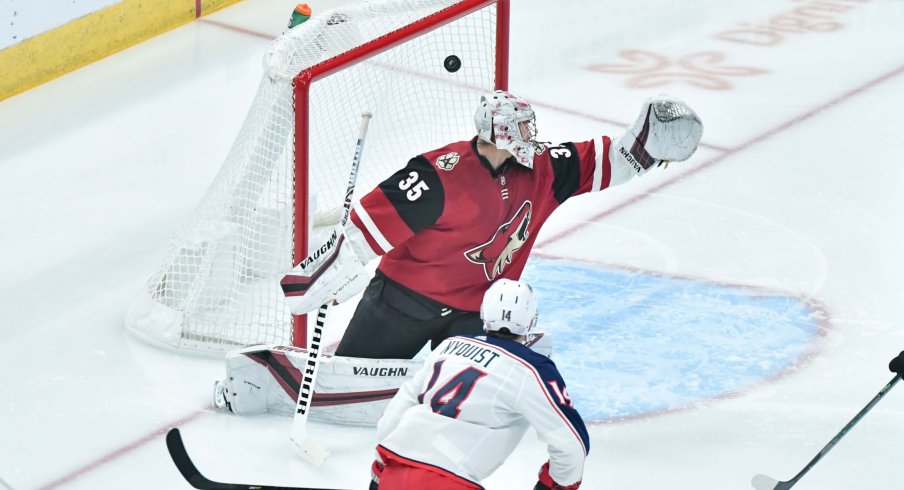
(452, 63)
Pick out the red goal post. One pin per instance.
(283, 182)
(303, 81)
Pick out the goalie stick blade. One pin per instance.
(309, 450)
(196, 479)
(763, 482)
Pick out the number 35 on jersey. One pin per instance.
(414, 186)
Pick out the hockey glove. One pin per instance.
(545, 481)
(540, 342)
(666, 130)
(897, 364)
(331, 274)
(376, 470)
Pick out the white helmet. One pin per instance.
(509, 305)
(499, 115)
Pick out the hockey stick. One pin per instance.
(309, 450)
(4, 485)
(763, 482)
(196, 479)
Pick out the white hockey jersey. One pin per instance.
(471, 404)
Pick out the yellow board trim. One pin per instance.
(87, 39)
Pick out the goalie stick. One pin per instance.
(196, 479)
(763, 482)
(309, 450)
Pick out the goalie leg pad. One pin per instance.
(348, 390)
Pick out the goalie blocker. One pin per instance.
(332, 274)
(348, 390)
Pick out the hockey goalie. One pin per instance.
(458, 218)
(447, 226)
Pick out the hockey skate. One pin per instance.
(220, 395)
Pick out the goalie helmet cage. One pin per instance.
(285, 177)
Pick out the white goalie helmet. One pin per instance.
(500, 118)
(509, 306)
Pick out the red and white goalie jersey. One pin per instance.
(447, 225)
(467, 409)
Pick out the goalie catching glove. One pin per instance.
(333, 273)
(666, 130)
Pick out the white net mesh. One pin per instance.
(218, 287)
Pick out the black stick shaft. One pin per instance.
(850, 425)
(193, 476)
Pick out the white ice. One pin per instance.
(797, 187)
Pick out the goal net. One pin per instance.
(286, 174)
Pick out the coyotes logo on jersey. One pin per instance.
(495, 254)
(447, 162)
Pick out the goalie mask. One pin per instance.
(509, 306)
(508, 122)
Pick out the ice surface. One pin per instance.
(774, 253)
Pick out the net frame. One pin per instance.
(302, 84)
(218, 287)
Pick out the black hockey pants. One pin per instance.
(394, 322)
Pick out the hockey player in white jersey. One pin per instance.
(463, 414)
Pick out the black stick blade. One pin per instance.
(184, 464)
(196, 479)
